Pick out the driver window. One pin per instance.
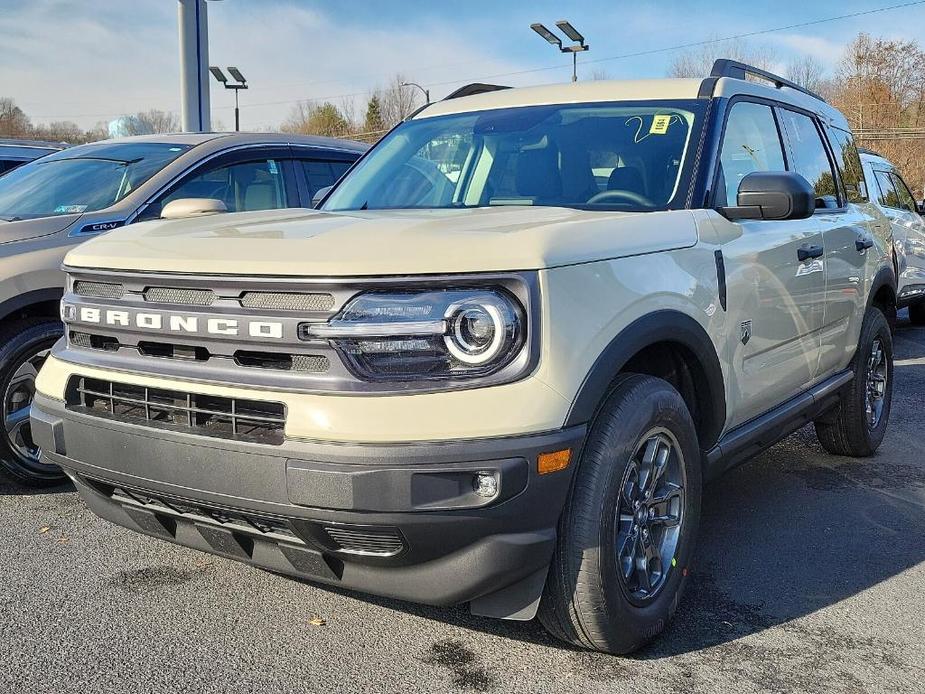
(243, 187)
(751, 143)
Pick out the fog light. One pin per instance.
(485, 485)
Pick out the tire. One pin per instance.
(586, 600)
(917, 313)
(850, 429)
(23, 347)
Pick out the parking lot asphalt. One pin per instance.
(810, 578)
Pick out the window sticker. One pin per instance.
(271, 164)
(70, 209)
(660, 124)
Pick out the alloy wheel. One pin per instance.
(17, 403)
(877, 375)
(650, 514)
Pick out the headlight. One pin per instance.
(426, 335)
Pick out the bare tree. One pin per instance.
(317, 119)
(698, 61)
(600, 74)
(398, 102)
(156, 121)
(13, 121)
(808, 72)
(880, 87)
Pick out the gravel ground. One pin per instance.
(810, 578)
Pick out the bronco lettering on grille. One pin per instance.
(176, 323)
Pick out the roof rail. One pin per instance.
(474, 88)
(724, 67)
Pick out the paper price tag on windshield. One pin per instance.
(660, 125)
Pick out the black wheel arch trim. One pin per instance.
(21, 301)
(884, 277)
(665, 325)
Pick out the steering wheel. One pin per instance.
(618, 195)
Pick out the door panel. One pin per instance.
(908, 231)
(779, 300)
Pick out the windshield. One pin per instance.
(627, 155)
(81, 179)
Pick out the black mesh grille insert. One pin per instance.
(99, 290)
(88, 341)
(208, 415)
(285, 362)
(380, 542)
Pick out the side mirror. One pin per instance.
(776, 195)
(920, 206)
(320, 195)
(192, 207)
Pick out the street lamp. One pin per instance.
(426, 92)
(579, 45)
(242, 84)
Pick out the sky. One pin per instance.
(92, 60)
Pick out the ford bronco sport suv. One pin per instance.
(497, 366)
(50, 205)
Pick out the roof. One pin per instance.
(230, 139)
(569, 93)
(36, 144)
(633, 90)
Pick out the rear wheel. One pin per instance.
(25, 346)
(628, 530)
(857, 427)
(917, 313)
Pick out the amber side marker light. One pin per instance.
(553, 462)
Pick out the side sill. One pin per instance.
(749, 439)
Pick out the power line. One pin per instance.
(623, 56)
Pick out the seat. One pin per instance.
(626, 178)
(538, 174)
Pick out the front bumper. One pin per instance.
(397, 520)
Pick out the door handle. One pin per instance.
(805, 253)
(863, 243)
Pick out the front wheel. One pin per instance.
(627, 532)
(857, 426)
(25, 346)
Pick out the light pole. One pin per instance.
(566, 28)
(242, 84)
(425, 91)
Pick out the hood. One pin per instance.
(24, 229)
(392, 242)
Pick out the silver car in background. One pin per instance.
(15, 153)
(50, 205)
(890, 193)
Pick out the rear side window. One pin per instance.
(849, 165)
(808, 156)
(886, 192)
(321, 174)
(906, 201)
(751, 143)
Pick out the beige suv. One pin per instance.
(498, 365)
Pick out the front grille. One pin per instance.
(208, 415)
(379, 542)
(287, 301)
(98, 290)
(183, 297)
